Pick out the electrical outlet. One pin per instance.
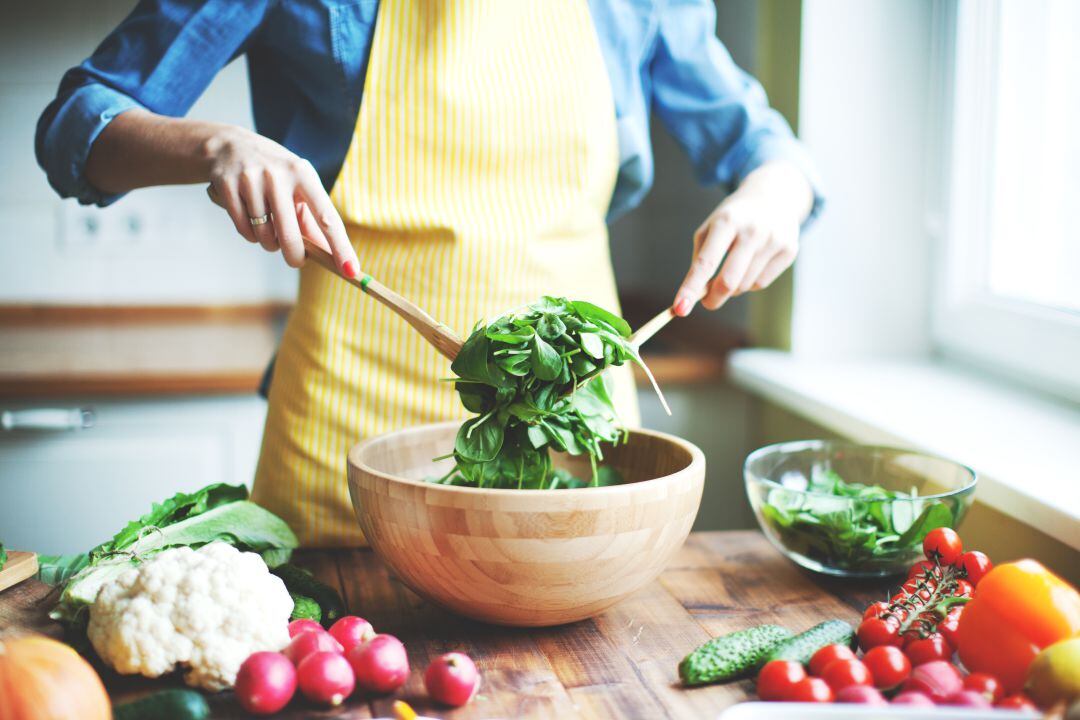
(88, 229)
(81, 228)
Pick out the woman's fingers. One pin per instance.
(710, 245)
(253, 193)
(224, 192)
(326, 218)
(765, 254)
(774, 268)
(309, 227)
(280, 193)
(732, 272)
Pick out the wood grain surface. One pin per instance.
(521, 557)
(18, 567)
(55, 351)
(621, 664)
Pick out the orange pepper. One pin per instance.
(1018, 609)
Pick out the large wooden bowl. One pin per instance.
(524, 557)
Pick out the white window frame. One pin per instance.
(1036, 345)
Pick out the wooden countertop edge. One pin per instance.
(223, 383)
(46, 315)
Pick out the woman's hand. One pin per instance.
(250, 176)
(255, 178)
(754, 232)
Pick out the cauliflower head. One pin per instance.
(205, 609)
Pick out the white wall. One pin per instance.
(861, 288)
(183, 249)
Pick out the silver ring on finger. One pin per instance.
(260, 220)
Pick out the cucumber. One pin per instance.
(803, 646)
(301, 582)
(305, 608)
(730, 656)
(172, 704)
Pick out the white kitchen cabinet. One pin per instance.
(64, 491)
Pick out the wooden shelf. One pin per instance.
(51, 351)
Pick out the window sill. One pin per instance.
(1024, 447)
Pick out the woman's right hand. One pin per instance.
(252, 176)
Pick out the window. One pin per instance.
(1009, 291)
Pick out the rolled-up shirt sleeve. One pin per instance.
(717, 112)
(161, 57)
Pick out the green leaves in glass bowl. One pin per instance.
(850, 526)
(534, 379)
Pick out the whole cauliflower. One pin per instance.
(206, 609)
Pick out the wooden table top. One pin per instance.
(621, 664)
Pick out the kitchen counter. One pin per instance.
(53, 351)
(621, 664)
(67, 351)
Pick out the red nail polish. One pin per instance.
(682, 307)
(349, 269)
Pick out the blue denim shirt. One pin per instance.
(307, 61)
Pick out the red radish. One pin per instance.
(452, 679)
(325, 678)
(350, 631)
(969, 698)
(914, 698)
(310, 642)
(303, 625)
(938, 679)
(380, 664)
(861, 694)
(266, 683)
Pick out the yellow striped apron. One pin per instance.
(477, 180)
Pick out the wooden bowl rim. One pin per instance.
(697, 461)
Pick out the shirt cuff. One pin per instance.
(66, 144)
(761, 150)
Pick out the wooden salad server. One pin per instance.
(438, 335)
(640, 336)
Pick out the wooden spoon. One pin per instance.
(440, 336)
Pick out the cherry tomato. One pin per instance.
(876, 609)
(841, 673)
(942, 544)
(949, 626)
(919, 586)
(888, 665)
(986, 684)
(1019, 701)
(975, 565)
(878, 631)
(921, 568)
(811, 689)
(928, 649)
(826, 655)
(963, 589)
(777, 679)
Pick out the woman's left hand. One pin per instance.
(749, 240)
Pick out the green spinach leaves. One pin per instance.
(533, 378)
(854, 526)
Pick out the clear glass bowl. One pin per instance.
(863, 535)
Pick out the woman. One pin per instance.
(469, 151)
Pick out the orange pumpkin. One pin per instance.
(42, 679)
